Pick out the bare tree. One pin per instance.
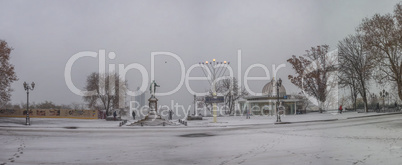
(356, 64)
(231, 91)
(23, 105)
(47, 105)
(64, 106)
(76, 106)
(104, 91)
(394, 94)
(12, 106)
(383, 36)
(200, 100)
(7, 74)
(312, 72)
(208, 106)
(348, 80)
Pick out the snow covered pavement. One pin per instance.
(206, 122)
(373, 140)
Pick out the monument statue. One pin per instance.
(152, 118)
(152, 88)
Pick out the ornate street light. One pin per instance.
(195, 107)
(214, 70)
(383, 94)
(27, 88)
(373, 98)
(278, 85)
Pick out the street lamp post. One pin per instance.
(386, 95)
(373, 98)
(389, 97)
(383, 94)
(214, 70)
(278, 85)
(27, 88)
(195, 102)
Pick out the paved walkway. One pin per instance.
(58, 123)
(286, 119)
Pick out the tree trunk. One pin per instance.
(355, 103)
(320, 104)
(365, 104)
(363, 93)
(400, 90)
(231, 107)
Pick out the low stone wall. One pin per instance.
(51, 113)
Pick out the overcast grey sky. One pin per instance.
(46, 34)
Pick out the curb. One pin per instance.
(312, 121)
(394, 113)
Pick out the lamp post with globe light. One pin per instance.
(383, 94)
(374, 99)
(278, 85)
(27, 88)
(214, 70)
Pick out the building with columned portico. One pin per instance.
(266, 103)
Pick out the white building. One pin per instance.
(266, 104)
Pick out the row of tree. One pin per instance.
(44, 105)
(374, 52)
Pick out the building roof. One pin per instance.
(270, 89)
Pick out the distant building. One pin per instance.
(266, 104)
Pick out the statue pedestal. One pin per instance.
(153, 103)
(153, 108)
(152, 114)
(153, 118)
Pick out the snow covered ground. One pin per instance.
(372, 140)
(206, 122)
(315, 116)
